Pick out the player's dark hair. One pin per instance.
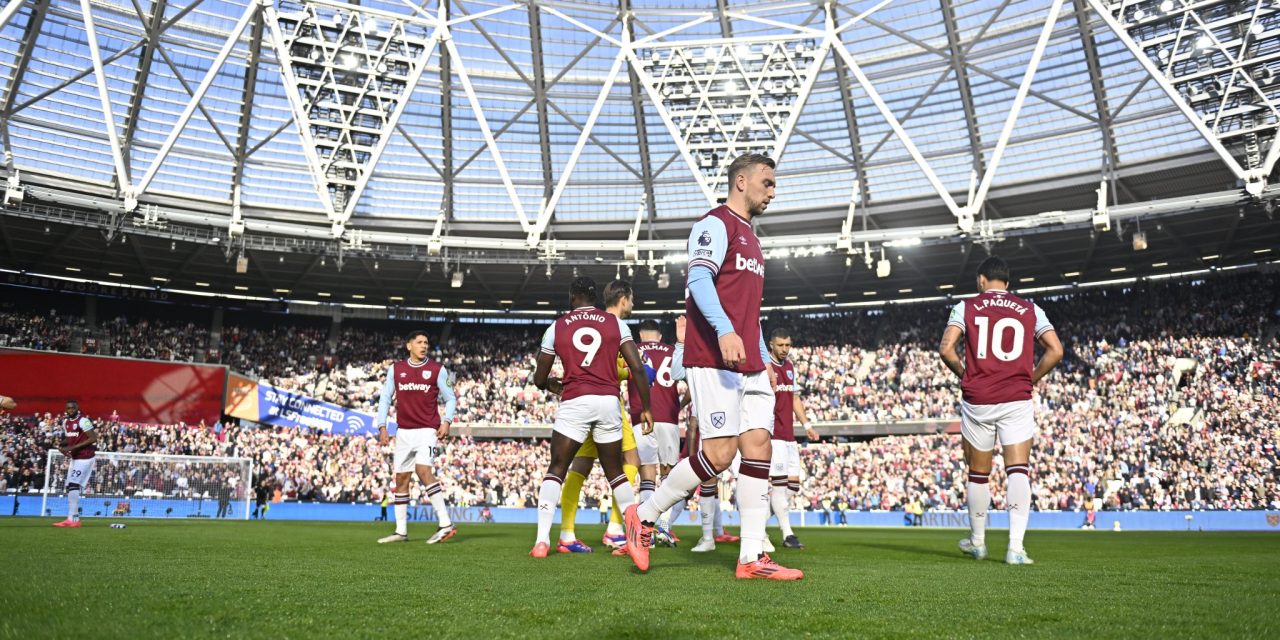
(650, 325)
(73, 402)
(780, 332)
(615, 291)
(994, 268)
(413, 335)
(746, 161)
(584, 288)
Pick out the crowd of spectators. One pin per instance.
(1168, 398)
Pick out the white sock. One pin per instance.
(717, 518)
(623, 495)
(402, 513)
(567, 536)
(442, 511)
(73, 505)
(615, 529)
(1018, 498)
(677, 511)
(647, 487)
(707, 502)
(780, 503)
(548, 500)
(684, 477)
(979, 499)
(753, 507)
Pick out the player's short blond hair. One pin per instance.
(746, 161)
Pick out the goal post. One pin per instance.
(148, 485)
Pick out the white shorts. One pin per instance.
(660, 447)
(597, 416)
(1012, 422)
(728, 403)
(80, 472)
(415, 447)
(786, 459)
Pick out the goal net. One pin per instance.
(138, 485)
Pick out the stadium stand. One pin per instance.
(1168, 399)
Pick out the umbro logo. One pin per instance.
(742, 240)
(403, 374)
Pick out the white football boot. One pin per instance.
(704, 545)
(1018, 557)
(978, 551)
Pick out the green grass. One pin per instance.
(311, 580)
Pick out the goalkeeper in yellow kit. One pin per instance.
(618, 300)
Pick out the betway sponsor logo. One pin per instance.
(413, 386)
(749, 264)
(787, 388)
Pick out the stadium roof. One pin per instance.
(606, 127)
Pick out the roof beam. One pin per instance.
(642, 131)
(722, 10)
(246, 107)
(1105, 127)
(962, 82)
(540, 95)
(975, 68)
(851, 122)
(529, 105)
(144, 70)
(11, 7)
(34, 24)
(446, 129)
(115, 56)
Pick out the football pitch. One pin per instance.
(321, 580)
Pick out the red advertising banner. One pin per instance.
(139, 390)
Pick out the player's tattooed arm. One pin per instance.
(947, 349)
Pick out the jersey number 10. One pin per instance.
(994, 336)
